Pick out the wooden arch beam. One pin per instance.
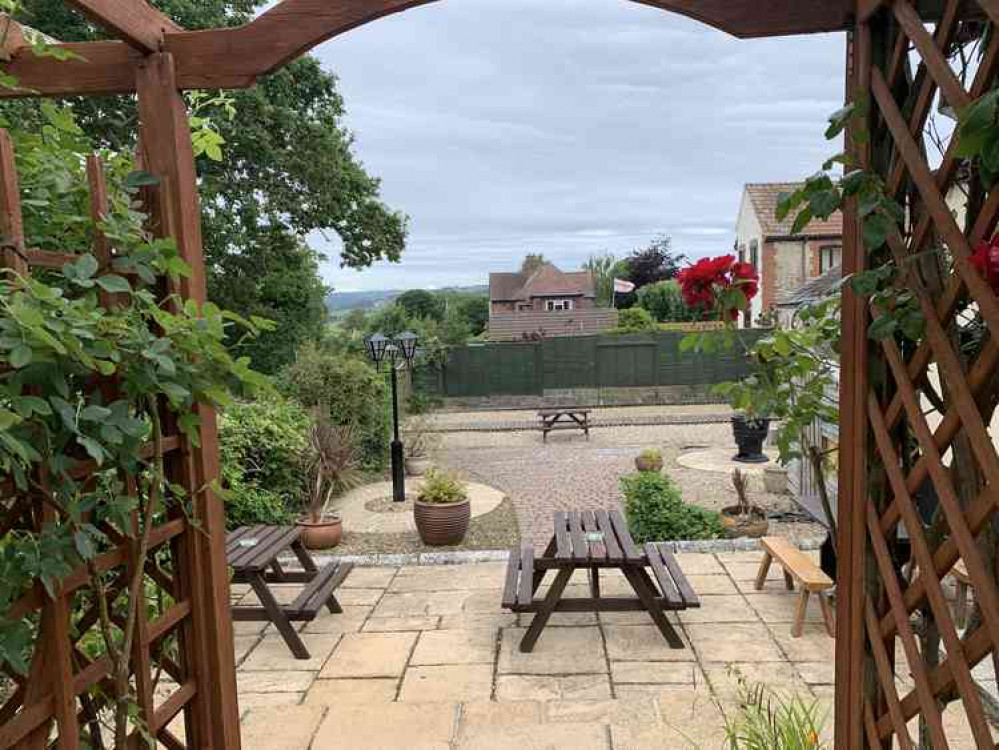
(235, 57)
(134, 21)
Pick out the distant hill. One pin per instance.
(340, 302)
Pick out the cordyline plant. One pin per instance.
(84, 389)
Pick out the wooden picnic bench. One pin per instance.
(564, 418)
(591, 541)
(798, 568)
(252, 552)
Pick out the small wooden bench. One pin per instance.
(564, 418)
(252, 552)
(798, 568)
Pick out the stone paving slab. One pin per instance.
(433, 663)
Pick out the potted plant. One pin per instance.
(441, 509)
(419, 444)
(750, 433)
(330, 462)
(650, 459)
(745, 518)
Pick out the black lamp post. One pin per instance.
(399, 354)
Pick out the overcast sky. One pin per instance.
(570, 127)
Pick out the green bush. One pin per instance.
(354, 392)
(260, 444)
(664, 301)
(635, 320)
(656, 512)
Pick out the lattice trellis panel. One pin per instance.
(181, 661)
(920, 470)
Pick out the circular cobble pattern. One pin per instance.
(571, 472)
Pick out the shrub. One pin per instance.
(442, 488)
(635, 320)
(260, 443)
(664, 301)
(353, 391)
(656, 512)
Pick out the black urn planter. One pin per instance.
(750, 434)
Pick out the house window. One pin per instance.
(558, 304)
(830, 257)
(754, 254)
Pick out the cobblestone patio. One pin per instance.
(573, 473)
(423, 658)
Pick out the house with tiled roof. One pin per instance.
(545, 302)
(784, 260)
(546, 289)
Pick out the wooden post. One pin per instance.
(851, 544)
(167, 152)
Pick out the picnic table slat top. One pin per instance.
(614, 553)
(270, 541)
(580, 547)
(551, 410)
(690, 598)
(669, 588)
(631, 552)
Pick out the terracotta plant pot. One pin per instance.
(417, 466)
(649, 463)
(750, 434)
(324, 534)
(442, 524)
(775, 480)
(736, 525)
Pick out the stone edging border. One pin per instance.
(460, 557)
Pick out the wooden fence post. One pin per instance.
(167, 150)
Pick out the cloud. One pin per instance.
(570, 127)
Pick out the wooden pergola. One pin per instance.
(157, 60)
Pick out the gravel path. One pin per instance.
(570, 472)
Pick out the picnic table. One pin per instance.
(564, 418)
(252, 552)
(593, 541)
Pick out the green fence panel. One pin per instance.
(569, 362)
(606, 361)
(493, 369)
(627, 362)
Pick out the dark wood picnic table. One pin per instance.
(593, 541)
(252, 552)
(564, 418)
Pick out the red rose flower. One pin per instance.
(986, 260)
(704, 282)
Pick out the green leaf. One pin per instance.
(140, 179)
(876, 229)
(86, 266)
(114, 284)
(92, 447)
(801, 220)
(95, 413)
(21, 356)
(882, 328)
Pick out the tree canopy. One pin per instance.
(287, 170)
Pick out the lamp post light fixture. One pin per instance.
(399, 354)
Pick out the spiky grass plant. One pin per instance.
(767, 720)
